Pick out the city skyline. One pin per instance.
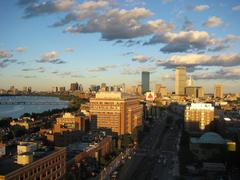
(51, 44)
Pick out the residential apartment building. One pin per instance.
(198, 116)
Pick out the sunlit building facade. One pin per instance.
(218, 91)
(198, 116)
(69, 122)
(194, 91)
(181, 79)
(116, 110)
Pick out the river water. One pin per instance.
(17, 110)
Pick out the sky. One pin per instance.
(47, 43)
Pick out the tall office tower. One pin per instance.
(218, 91)
(118, 111)
(145, 81)
(103, 87)
(80, 87)
(194, 91)
(198, 116)
(139, 89)
(74, 87)
(180, 83)
(62, 89)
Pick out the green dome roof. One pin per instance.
(211, 138)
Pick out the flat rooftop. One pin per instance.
(9, 164)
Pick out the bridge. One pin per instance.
(32, 103)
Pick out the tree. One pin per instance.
(125, 140)
(137, 134)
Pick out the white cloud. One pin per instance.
(37, 8)
(51, 57)
(182, 41)
(122, 24)
(236, 8)
(228, 73)
(5, 54)
(64, 5)
(200, 8)
(69, 50)
(141, 58)
(224, 60)
(127, 70)
(21, 49)
(213, 22)
(102, 68)
(92, 5)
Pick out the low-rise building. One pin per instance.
(70, 122)
(27, 122)
(42, 164)
(96, 150)
(210, 146)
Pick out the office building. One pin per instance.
(27, 90)
(180, 81)
(198, 116)
(62, 89)
(116, 110)
(194, 91)
(103, 87)
(218, 91)
(74, 87)
(145, 81)
(160, 90)
(94, 88)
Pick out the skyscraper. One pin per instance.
(74, 87)
(180, 80)
(145, 81)
(218, 91)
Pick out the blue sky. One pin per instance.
(46, 43)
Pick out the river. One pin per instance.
(17, 110)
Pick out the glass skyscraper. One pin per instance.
(145, 81)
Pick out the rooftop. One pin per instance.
(112, 95)
(9, 163)
(209, 138)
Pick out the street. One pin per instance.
(156, 157)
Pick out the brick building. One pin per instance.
(116, 110)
